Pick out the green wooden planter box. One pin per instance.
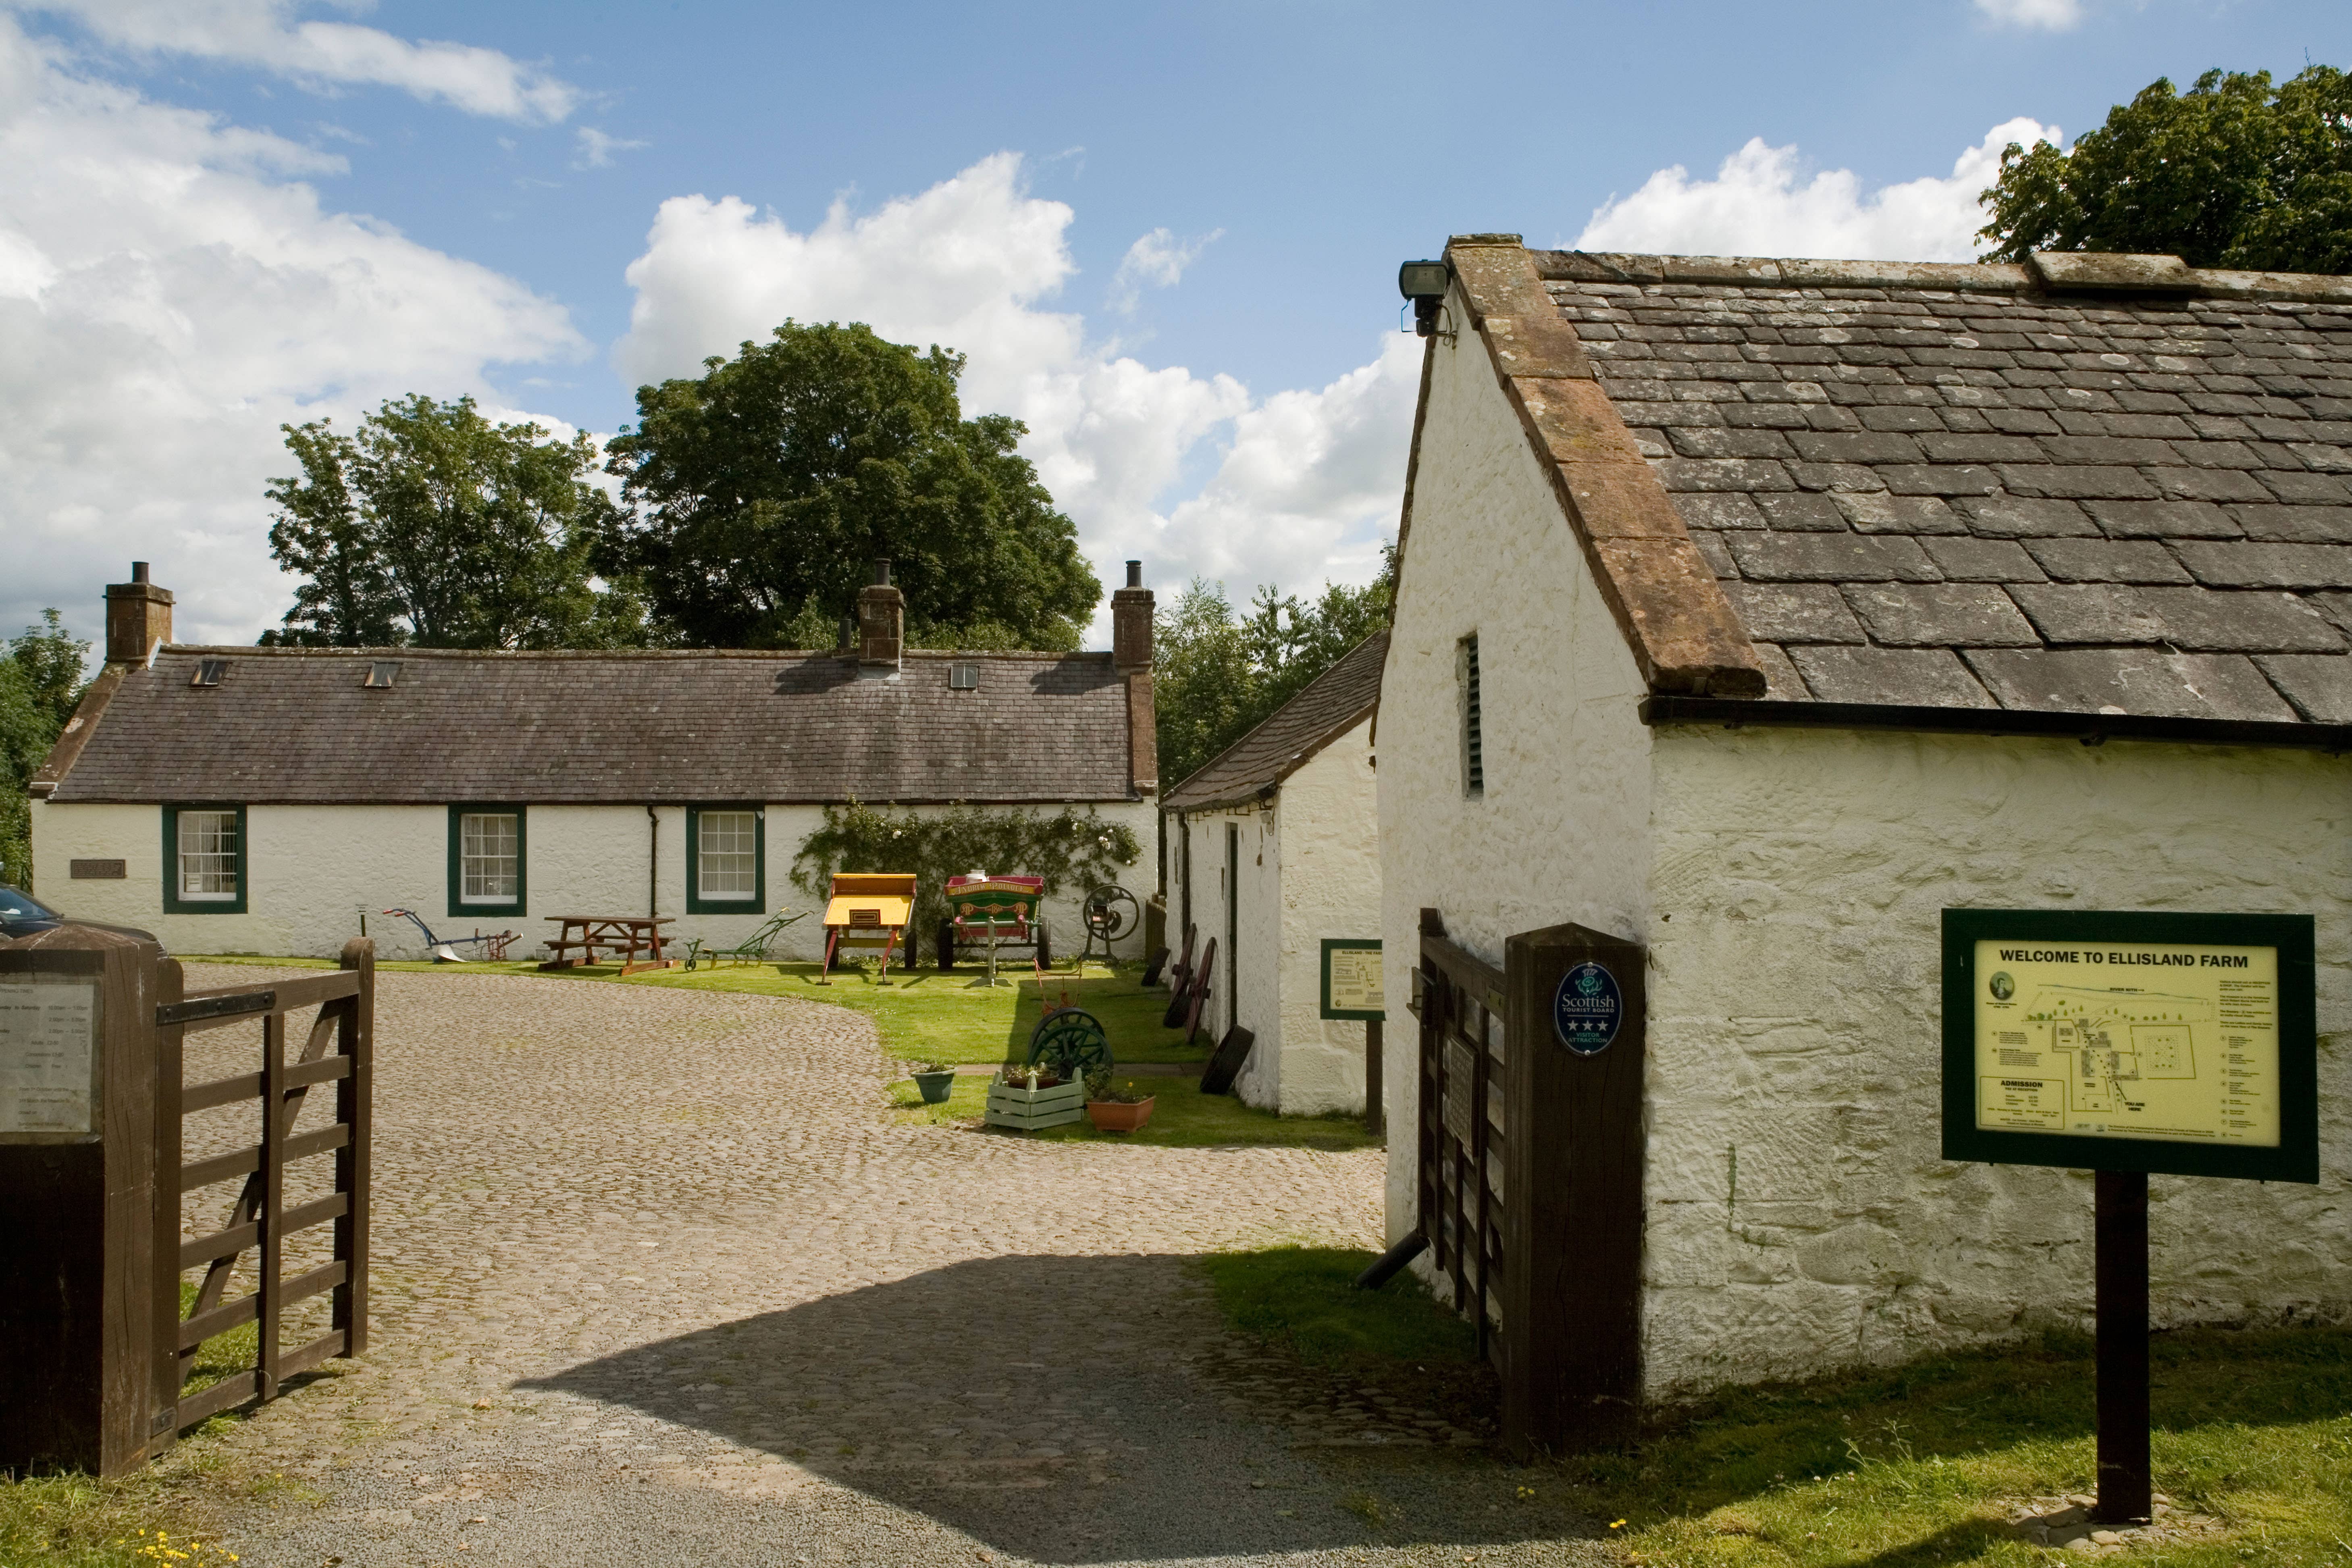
(1009, 1106)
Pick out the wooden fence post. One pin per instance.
(354, 1098)
(1572, 1147)
(78, 1068)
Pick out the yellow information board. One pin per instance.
(2128, 1040)
(2132, 1040)
(1352, 978)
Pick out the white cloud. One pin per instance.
(975, 263)
(2048, 15)
(322, 56)
(1158, 261)
(1756, 206)
(596, 149)
(171, 293)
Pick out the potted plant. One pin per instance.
(1032, 1097)
(1115, 1110)
(936, 1081)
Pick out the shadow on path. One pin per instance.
(1062, 1409)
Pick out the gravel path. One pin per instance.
(657, 1280)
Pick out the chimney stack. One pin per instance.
(881, 623)
(1130, 622)
(138, 617)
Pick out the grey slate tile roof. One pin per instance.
(1951, 486)
(1327, 707)
(297, 726)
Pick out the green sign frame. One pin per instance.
(2295, 1158)
(1346, 943)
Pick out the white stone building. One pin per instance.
(1272, 848)
(263, 799)
(1755, 612)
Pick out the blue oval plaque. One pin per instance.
(1586, 1009)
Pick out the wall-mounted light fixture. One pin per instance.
(1424, 283)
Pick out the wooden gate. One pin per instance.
(337, 1049)
(1529, 1177)
(1460, 999)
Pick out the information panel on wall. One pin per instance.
(49, 1057)
(1352, 978)
(2126, 1041)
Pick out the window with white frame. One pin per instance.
(207, 849)
(727, 855)
(490, 857)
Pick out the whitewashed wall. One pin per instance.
(1327, 819)
(311, 869)
(1254, 997)
(1799, 882)
(1562, 832)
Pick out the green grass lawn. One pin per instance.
(922, 1014)
(1904, 1468)
(1182, 1118)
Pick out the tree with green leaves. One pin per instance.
(768, 486)
(1216, 676)
(2234, 172)
(434, 527)
(40, 685)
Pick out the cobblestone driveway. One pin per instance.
(658, 1280)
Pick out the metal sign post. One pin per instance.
(2125, 1043)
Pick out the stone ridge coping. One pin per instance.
(2090, 728)
(2077, 273)
(240, 650)
(1674, 616)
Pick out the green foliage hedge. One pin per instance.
(1072, 850)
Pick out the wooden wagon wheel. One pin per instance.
(1071, 1041)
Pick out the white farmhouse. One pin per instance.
(264, 799)
(1272, 850)
(1755, 612)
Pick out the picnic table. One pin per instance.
(626, 934)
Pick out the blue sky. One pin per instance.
(1196, 408)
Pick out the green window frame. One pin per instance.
(702, 903)
(203, 840)
(484, 853)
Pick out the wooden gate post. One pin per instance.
(1571, 1368)
(78, 1182)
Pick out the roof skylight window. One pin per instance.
(209, 672)
(963, 676)
(380, 674)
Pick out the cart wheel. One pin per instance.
(1072, 1042)
(1045, 945)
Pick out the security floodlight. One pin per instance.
(1424, 283)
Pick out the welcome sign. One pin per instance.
(2131, 1041)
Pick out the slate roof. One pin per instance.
(1327, 708)
(2090, 485)
(296, 725)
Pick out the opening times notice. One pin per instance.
(48, 1050)
(2128, 1040)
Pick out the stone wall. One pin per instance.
(1562, 830)
(1799, 882)
(313, 869)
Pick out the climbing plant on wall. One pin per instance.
(1072, 850)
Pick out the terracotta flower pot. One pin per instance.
(1111, 1116)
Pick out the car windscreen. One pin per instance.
(15, 904)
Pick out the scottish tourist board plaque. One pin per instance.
(1586, 1008)
(49, 1057)
(2129, 1041)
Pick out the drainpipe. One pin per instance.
(652, 864)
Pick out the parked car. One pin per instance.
(23, 915)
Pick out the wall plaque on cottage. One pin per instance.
(2175, 1043)
(1352, 978)
(49, 1057)
(98, 870)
